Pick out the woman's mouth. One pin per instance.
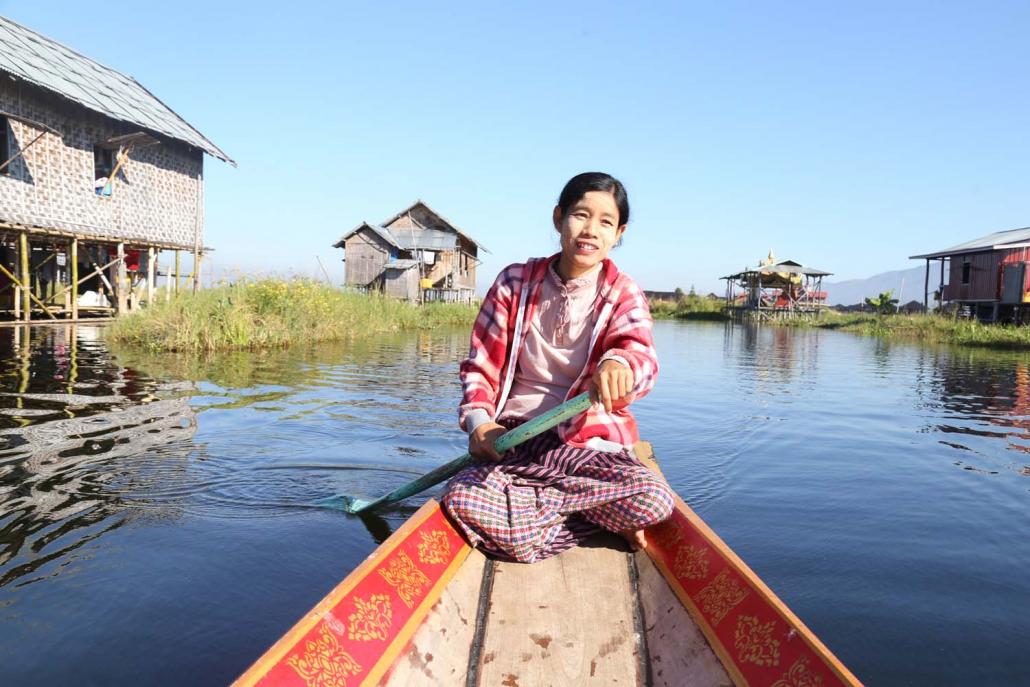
(585, 248)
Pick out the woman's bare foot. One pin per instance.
(636, 539)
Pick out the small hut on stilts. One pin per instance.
(775, 289)
(101, 186)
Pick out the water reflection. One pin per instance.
(979, 398)
(75, 430)
(828, 461)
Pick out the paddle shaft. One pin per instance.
(508, 440)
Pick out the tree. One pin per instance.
(885, 303)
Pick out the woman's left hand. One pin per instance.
(612, 383)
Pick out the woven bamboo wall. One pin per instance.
(158, 195)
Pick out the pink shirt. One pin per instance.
(557, 345)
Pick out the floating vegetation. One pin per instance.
(276, 313)
(929, 328)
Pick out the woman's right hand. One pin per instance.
(482, 438)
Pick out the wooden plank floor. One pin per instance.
(679, 653)
(438, 653)
(567, 620)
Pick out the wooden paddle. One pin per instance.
(524, 432)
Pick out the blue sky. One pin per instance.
(846, 138)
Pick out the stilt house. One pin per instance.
(781, 290)
(98, 178)
(416, 255)
(986, 277)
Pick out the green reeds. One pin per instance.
(929, 328)
(690, 307)
(275, 313)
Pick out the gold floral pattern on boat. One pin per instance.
(720, 596)
(755, 642)
(371, 618)
(667, 535)
(354, 634)
(800, 675)
(402, 574)
(435, 548)
(691, 562)
(323, 663)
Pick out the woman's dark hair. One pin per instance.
(581, 184)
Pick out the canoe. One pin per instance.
(426, 609)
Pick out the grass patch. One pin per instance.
(274, 313)
(690, 308)
(930, 328)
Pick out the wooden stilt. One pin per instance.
(26, 303)
(121, 282)
(177, 258)
(198, 257)
(17, 295)
(75, 278)
(151, 263)
(926, 287)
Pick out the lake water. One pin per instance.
(157, 527)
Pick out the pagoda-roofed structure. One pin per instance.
(782, 289)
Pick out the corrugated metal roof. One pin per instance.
(46, 63)
(380, 231)
(787, 266)
(999, 239)
(407, 239)
(439, 216)
(400, 264)
(424, 239)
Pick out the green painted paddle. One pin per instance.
(524, 432)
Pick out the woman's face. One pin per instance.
(588, 231)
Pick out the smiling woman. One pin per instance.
(591, 216)
(551, 329)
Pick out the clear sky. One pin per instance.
(846, 138)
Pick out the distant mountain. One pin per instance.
(853, 291)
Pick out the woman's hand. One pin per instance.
(482, 438)
(612, 383)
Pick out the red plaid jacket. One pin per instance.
(623, 329)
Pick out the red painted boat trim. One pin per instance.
(354, 634)
(758, 639)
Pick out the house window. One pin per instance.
(967, 268)
(103, 165)
(5, 145)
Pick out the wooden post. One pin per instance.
(26, 279)
(75, 279)
(926, 288)
(197, 258)
(120, 282)
(176, 271)
(941, 300)
(17, 296)
(151, 263)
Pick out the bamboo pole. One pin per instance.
(75, 278)
(96, 271)
(30, 297)
(198, 258)
(926, 288)
(17, 296)
(26, 303)
(168, 283)
(151, 261)
(177, 271)
(120, 281)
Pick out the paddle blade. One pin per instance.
(348, 504)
